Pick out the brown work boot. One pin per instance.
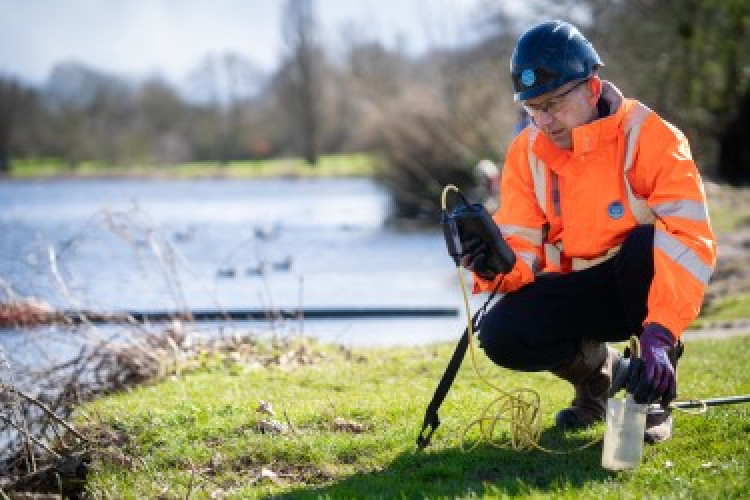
(591, 375)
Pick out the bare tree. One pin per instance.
(13, 96)
(161, 124)
(224, 83)
(300, 75)
(88, 112)
(687, 60)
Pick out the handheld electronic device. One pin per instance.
(466, 221)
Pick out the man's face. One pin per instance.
(559, 111)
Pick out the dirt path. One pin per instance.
(715, 333)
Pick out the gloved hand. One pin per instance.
(475, 256)
(652, 376)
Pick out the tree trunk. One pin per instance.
(734, 146)
(4, 160)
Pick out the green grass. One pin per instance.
(197, 433)
(723, 310)
(727, 308)
(730, 209)
(336, 165)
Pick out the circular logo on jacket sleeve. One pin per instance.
(527, 77)
(615, 209)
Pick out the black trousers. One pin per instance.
(541, 325)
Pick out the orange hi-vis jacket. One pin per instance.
(569, 210)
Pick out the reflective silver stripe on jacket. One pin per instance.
(633, 122)
(533, 236)
(531, 260)
(552, 254)
(682, 255)
(684, 209)
(538, 174)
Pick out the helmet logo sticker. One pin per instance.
(615, 210)
(527, 77)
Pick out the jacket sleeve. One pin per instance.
(684, 244)
(520, 219)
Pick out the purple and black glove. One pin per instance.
(652, 376)
(475, 256)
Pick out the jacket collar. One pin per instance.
(591, 136)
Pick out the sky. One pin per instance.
(168, 38)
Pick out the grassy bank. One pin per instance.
(338, 165)
(345, 424)
(733, 308)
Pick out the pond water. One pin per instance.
(111, 245)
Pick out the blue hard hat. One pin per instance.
(548, 56)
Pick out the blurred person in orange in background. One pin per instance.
(606, 212)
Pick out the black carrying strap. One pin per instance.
(431, 419)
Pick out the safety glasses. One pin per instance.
(553, 104)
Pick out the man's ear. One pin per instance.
(595, 88)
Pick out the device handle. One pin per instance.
(460, 194)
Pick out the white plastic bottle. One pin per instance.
(623, 439)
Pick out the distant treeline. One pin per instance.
(432, 117)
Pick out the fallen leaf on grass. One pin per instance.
(216, 461)
(268, 475)
(292, 358)
(343, 425)
(265, 408)
(112, 455)
(270, 427)
(350, 355)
